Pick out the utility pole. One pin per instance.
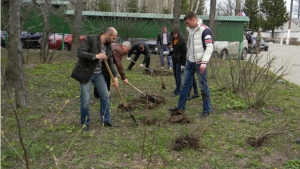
(289, 29)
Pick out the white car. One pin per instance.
(225, 49)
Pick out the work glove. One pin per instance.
(182, 68)
(128, 58)
(142, 65)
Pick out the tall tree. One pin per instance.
(251, 10)
(226, 8)
(14, 72)
(275, 13)
(237, 7)
(77, 26)
(176, 14)
(184, 7)
(46, 27)
(132, 6)
(103, 5)
(199, 7)
(212, 13)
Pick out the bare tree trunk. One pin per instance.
(14, 68)
(192, 3)
(212, 14)
(77, 27)
(237, 7)
(197, 6)
(176, 14)
(46, 20)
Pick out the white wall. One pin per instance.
(283, 34)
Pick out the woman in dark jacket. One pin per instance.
(178, 57)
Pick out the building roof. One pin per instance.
(157, 16)
(53, 2)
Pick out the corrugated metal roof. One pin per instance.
(157, 16)
(53, 2)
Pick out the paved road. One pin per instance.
(286, 55)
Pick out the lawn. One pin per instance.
(54, 138)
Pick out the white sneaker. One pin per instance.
(162, 67)
(165, 53)
(170, 68)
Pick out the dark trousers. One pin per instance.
(137, 55)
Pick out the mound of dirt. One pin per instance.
(179, 116)
(187, 141)
(149, 122)
(143, 103)
(256, 142)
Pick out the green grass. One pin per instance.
(54, 139)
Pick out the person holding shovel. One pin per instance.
(200, 48)
(91, 69)
(118, 50)
(140, 48)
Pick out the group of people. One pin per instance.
(188, 57)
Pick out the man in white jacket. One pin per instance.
(200, 48)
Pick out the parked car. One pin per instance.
(263, 44)
(55, 41)
(3, 38)
(225, 49)
(30, 39)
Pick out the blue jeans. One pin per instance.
(169, 58)
(194, 86)
(101, 87)
(177, 76)
(190, 69)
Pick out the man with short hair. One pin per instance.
(140, 48)
(200, 48)
(163, 39)
(91, 69)
(118, 50)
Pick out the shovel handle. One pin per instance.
(112, 77)
(136, 89)
(137, 63)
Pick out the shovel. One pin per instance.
(151, 71)
(150, 98)
(123, 101)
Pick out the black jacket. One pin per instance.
(179, 51)
(86, 64)
(160, 39)
(146, 51)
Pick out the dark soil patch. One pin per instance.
(179, 116)
(158, 73)
(150, 122)
(256, 142)
(187, 141)
(143, 103)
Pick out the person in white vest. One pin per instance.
(200, 48)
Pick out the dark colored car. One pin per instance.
(263, 45)
(30, 39)
(3, 38)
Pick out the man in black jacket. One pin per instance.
(163, 39)
(140, 48)
(90, 68)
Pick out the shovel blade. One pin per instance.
(150, 98)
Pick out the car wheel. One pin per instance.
(244, 54)
(266, 49)
(67, 47)
(224, 54)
